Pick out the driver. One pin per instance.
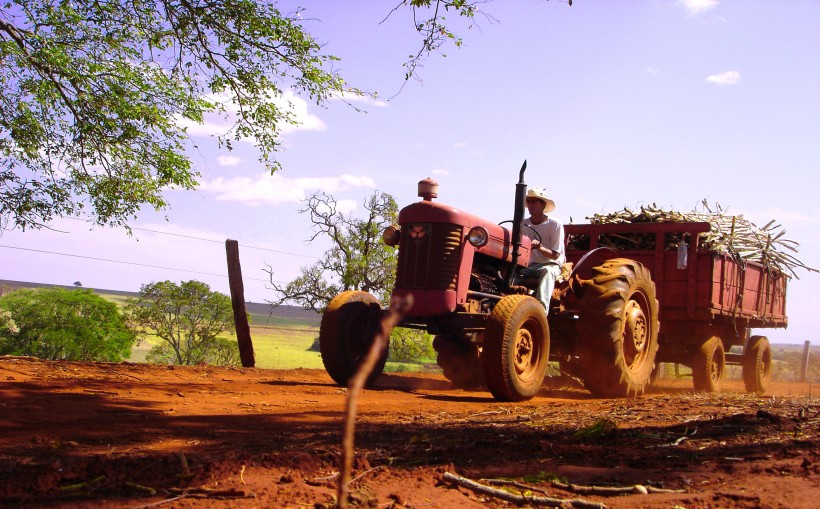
(547, 254)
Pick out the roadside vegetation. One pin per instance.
(61, 324)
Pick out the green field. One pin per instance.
(285, 348)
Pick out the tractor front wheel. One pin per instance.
(348, 328)
(757, 364)
(516, 348)
(708, 365)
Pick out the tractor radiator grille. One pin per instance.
(429, 256)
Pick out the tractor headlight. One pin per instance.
(478, 236)
(391, 236)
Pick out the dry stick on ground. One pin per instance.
(390, 319)
(606, 491)
(520, 499)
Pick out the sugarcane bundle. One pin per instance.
(729, 233)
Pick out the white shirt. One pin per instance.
(552, 237)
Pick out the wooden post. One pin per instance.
(240, 316)
(804, 363)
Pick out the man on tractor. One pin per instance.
(547, 236)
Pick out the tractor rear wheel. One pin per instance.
(757, 364)
(348, 328)
(618, 328)
(459, 362)
(709, 365)
(516, 348)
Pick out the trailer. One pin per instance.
(708, 302)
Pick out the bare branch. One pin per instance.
(390, 319)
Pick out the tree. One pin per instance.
(53, 323)
(97, 94)
(188, 318)
(357, 259)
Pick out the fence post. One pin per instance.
(804, 362)
(240, 316)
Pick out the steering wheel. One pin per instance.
(528, 226)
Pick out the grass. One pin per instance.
(285, 348)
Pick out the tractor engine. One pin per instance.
(449, 259)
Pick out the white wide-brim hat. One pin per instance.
(541, 194)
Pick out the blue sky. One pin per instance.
(613, 104)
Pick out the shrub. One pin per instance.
(54, 323)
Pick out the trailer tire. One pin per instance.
(618, 328)
(459, 362)
(757, 364)
(516, 348)
(348, 328)
(709, 365)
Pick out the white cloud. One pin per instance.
(267, 189)
(653, 70)
(228, 160)
(724, 78)
(440, 171)
(460, 144)
(694, 7)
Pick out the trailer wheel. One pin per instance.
(708, 365)
(757, 364)
(348, 327)
(516, 348)
(459, 361)
(618, 328)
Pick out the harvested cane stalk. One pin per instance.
(730, 233)
(388, 321)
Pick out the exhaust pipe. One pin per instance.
(518, 218)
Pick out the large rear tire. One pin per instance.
(459, 362)
(348, 328)
(709, 365)
(757, 364)
(516, 348)
(618, 329)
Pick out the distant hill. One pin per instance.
(261, 313)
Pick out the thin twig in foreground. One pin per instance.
(390, 319)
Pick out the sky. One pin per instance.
(612, 104)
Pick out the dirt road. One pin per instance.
(138, 435)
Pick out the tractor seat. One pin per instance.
(531, 282)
